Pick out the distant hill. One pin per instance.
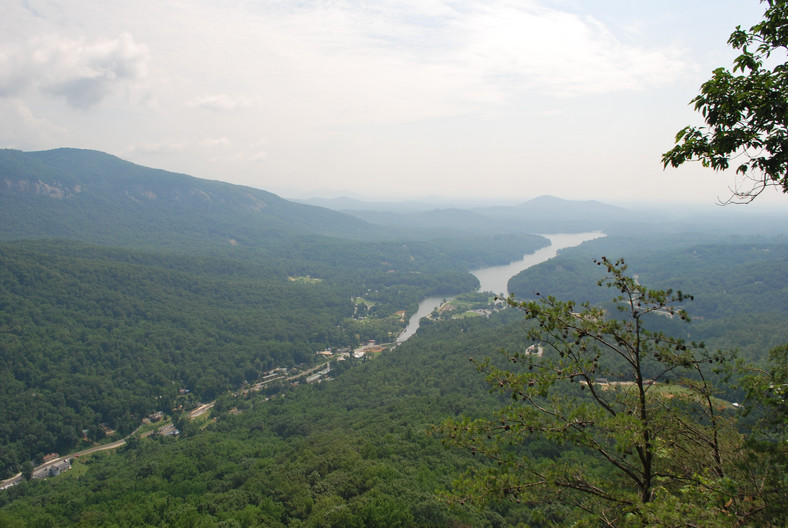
(546, 214)
(549, 214)
(552, 206)
(446, 220)
(96, 197)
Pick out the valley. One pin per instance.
(317, 373)
(338, 264)
(149, 292)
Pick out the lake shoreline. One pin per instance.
(495, 279)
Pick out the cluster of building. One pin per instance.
(51, 467)
(320, 375)
(370, 348)
(330, 352)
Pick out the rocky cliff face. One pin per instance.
(55, 190)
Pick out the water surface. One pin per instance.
(496, 278)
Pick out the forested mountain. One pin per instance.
(90, 338)
(95, 197)
(92, 335)
(126, 290)
(195, 286)
(740, 286)
(358, 450)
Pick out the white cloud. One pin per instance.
(559, 53)
(214, 149)
(82, 72)
(219, 142)
(225, 152)
(504, 45)
(344, 63)
(219, 103)
(257, 156)
(21, 129)
(165, 146)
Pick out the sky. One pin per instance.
(491, 100)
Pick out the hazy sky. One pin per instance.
(492, 99)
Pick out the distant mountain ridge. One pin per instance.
(96, 197)
(545, 214)
(551, 213)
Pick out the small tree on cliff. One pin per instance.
(746, 111)
(647, 440)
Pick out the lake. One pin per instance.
(495, 279)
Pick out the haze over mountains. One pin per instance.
(93, 196)
(540, 215)
(550, 214)
(96, 197)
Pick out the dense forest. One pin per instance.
(125, 291)
(740, 285)
(359, 450)
(122, 286)
(97, 336)
(184, 352)
(352, 451)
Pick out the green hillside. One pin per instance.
(95, 197)
(358, 450)
(740, 286)
(354, 451)
(185, 284)
(91, 335)
(126, 290)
